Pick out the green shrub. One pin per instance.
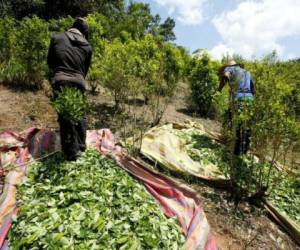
(273, 123)
(23, 52)
(33, 41)
(113, 70)
(203, 79)
(7, 38)
(60, 25)
(97, 43)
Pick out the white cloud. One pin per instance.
(256, 27)
(188, 12)
(221, 50)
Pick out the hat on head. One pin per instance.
(82, 26)
(232, 63)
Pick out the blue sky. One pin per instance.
(251, 28)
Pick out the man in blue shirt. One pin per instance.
(241, 93)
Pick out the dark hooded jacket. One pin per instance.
(69, 57)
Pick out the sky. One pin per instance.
(251, 28)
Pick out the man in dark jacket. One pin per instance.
(69, 59)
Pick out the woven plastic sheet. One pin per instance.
(16, 151)
(174, 200)
(163, 145)
(284, 220)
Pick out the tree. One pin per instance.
(5, 8)
(32, 50)
(166, 30)
(272, 119)
(24, 54)
(113, 70)
(203, 80)
(7, 38)
(61, 8)
(22, 8)
(138, 19)
(116, 19)
(49, 9)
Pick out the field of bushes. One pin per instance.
(136, 61)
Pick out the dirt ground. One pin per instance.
(22, 109)
(241, 227)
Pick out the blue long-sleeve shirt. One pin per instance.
(241, 82)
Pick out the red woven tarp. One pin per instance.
(174, 200)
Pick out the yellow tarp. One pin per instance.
(164, 146)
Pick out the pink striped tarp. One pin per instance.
(174, 200)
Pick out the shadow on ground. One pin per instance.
(136, 102)
(103, 115)
(189, 112)
(22, 87)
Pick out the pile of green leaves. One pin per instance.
(286, 195)
(283, 192)
(71, 103)
(88, 204)
(205, 150)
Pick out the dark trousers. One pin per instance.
(242, 134)
(72, 135)
(242, 140)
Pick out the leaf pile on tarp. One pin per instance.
(284, 190)
(88, 204)
(205, 150)
(286, 196)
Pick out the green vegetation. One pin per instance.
(286, 194)
(206, 151)
(88, 204)
(23, 55)
(71, 103)
(132, 58)
(139, 67)
(136, 62)
(249, 175)
(204, 81)
(273, 119)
